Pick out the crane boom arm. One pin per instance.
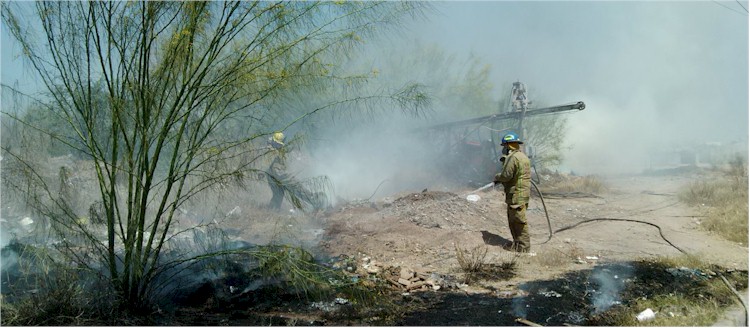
(495, 117)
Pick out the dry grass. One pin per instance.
(685, 260)
(724, 201)
(47, 294)
(701, 304)
(471, 261)
(674, 311)
(729, 221)
(555, 258)
(569, 184)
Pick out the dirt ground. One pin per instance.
(421, 230)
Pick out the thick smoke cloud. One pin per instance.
(658, 78)
(655, 75)
(375, 159)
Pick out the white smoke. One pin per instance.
(520, 306)
(609, 284)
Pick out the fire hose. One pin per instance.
(549, 225)
(546, 214)
(723, 279)
(551, 233)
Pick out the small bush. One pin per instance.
(471, 261)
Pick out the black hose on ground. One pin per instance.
(549, 225)
(546, 214)
(624, 220)
(735, 294)
(723, 279)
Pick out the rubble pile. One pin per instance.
(435, 209)
(400, 278)
(410, 280)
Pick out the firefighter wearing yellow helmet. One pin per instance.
(277, 170)
(516, 180)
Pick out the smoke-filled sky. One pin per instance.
(654, 75)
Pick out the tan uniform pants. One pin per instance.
(518, 227)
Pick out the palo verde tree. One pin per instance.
(158, 93)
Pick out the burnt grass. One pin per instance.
(592, 297)
(587, 298)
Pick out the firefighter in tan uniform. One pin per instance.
(516, 180)
(277, 174)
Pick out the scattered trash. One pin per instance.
(473, 198)
(688, 273)
(646, 315)
(26, 221)
(550, 293)
(341, 301)
(592, 258)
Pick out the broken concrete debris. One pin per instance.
(412, 280)
(401, 278)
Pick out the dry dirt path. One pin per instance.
(421, 230)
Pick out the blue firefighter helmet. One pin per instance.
(511, 137)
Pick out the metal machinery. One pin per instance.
(473, 145)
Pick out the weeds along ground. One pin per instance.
(555, 183)
(722, 197)
(682, 291)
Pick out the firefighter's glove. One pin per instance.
(503, 158)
